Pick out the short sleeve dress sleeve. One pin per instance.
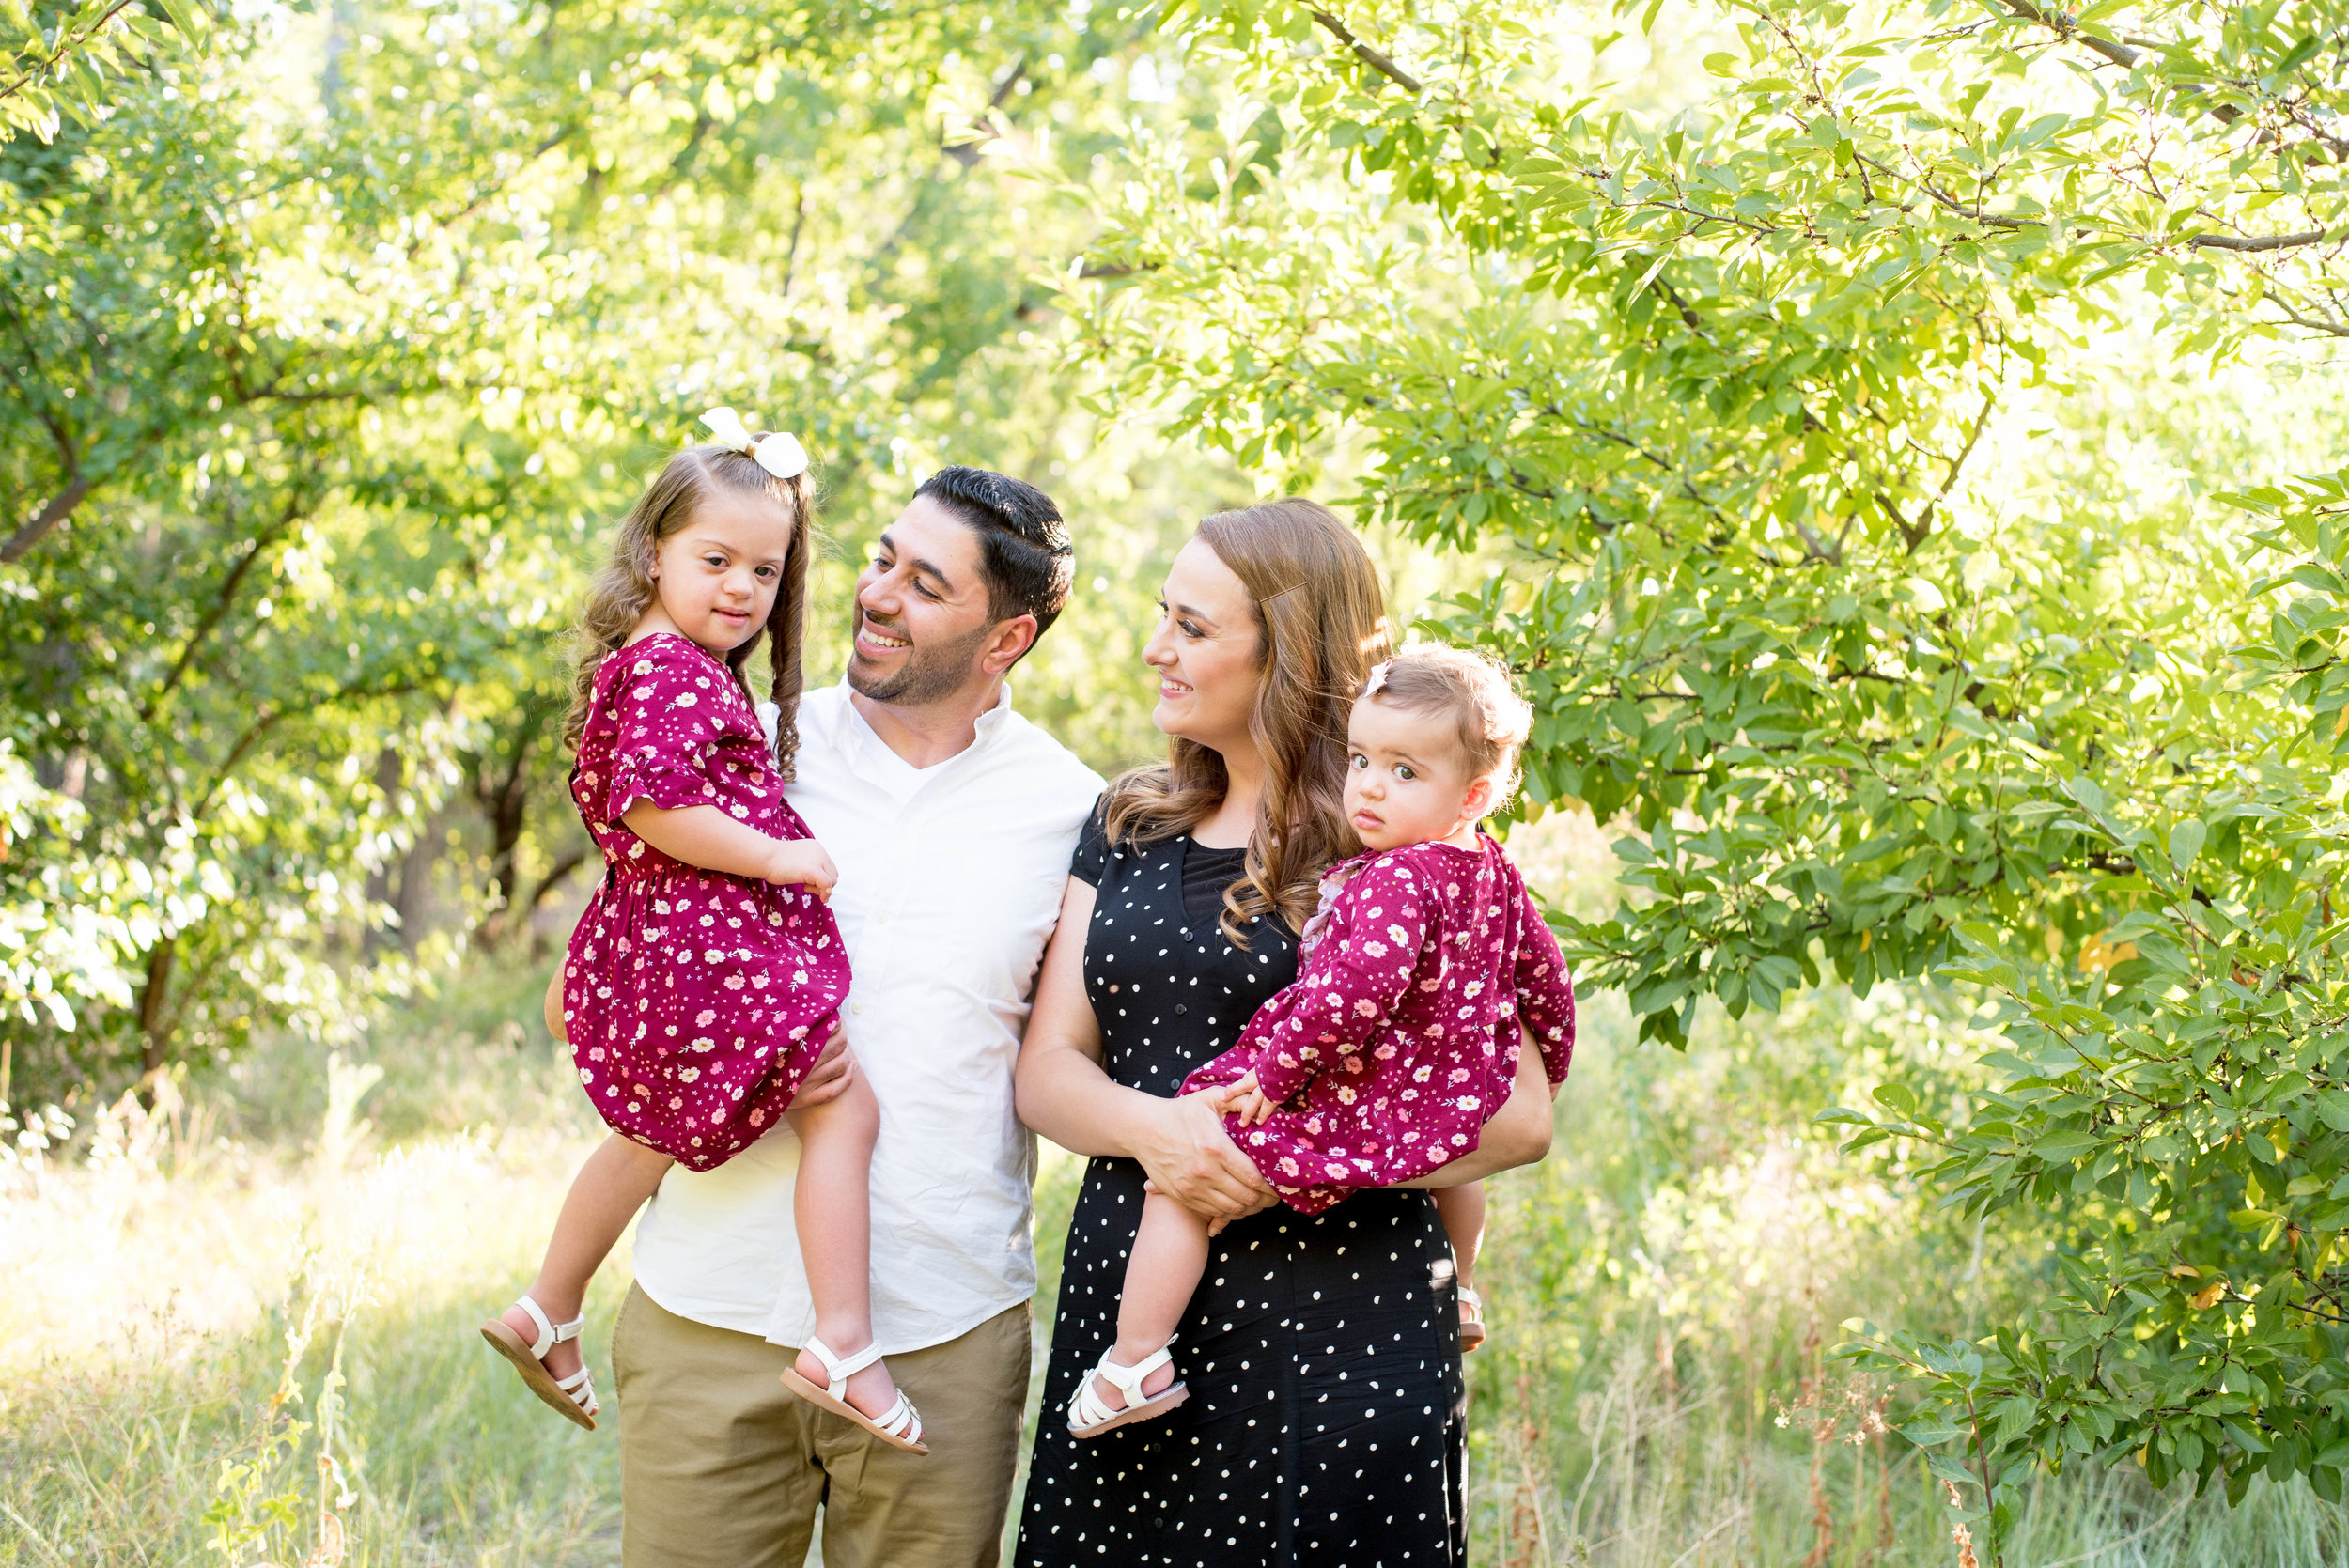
(1093, 849)
(669, 717)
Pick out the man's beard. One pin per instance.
(930, 675)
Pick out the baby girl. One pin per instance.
(1399, 1039)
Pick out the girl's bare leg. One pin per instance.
(616, 1180)
(1169, 1256)
(832, 1205)
(1462, 1211)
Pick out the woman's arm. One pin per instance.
(1065, 1094)
(1518, 1134)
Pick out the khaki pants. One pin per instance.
(722, 1468)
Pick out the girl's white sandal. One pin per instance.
(575, 1395)
(900, 1425)
(1089, 1418)
(1471, 1320)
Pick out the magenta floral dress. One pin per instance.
(1398, 1042)
(695, 1002)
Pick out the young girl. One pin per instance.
(1399, 1039)
(705, 975)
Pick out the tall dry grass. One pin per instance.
(238, 1330)
(225, 1340)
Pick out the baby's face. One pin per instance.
(1406, 782)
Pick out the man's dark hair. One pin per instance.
(1023, 544)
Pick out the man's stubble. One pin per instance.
(932, 674)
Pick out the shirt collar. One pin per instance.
(989, 726)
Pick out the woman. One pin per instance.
(1322, 1356)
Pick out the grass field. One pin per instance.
(244, 1337)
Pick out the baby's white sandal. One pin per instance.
(1089, 1417)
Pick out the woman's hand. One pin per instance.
(1065, 1095)
(1188, 1156)
(554, 1006)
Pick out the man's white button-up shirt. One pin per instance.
(950, 885)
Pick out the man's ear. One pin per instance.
(1009, 640)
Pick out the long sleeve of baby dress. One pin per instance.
(695, 1002)
(1386, 1057)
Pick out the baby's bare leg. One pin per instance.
(1462, 1211)
(1169, 1256)
(832, 1208)
(610, 1186)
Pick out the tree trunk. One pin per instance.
(387, 778)
(154, 1018)
(506, 808)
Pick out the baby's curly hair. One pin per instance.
(1492, 721)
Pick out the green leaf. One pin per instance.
(2186, 843)
(2063, 1148)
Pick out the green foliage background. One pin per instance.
(1897, 446)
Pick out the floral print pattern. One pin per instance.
(1396, 1043)
(695, 1002)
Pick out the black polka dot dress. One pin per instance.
(1324, 1418)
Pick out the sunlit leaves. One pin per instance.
(1754, 393)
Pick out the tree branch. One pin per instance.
(218, 610)
(1376, 60)
(64, 46)
(2244, 243)
(967, 153)
(60, 508)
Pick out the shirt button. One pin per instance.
(1180, 1009)
(857, 1007)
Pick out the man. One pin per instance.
(952, 820)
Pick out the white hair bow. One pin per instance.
(1377, 679)
(779, 454)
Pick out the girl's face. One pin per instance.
(717, 576)
(1206, 651)
(1406, 782)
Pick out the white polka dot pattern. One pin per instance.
(1325, 1418)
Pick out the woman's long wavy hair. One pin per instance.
(624, 589)
(1322, 624)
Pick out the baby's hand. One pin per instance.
(803, 861)
(1245, 1100)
